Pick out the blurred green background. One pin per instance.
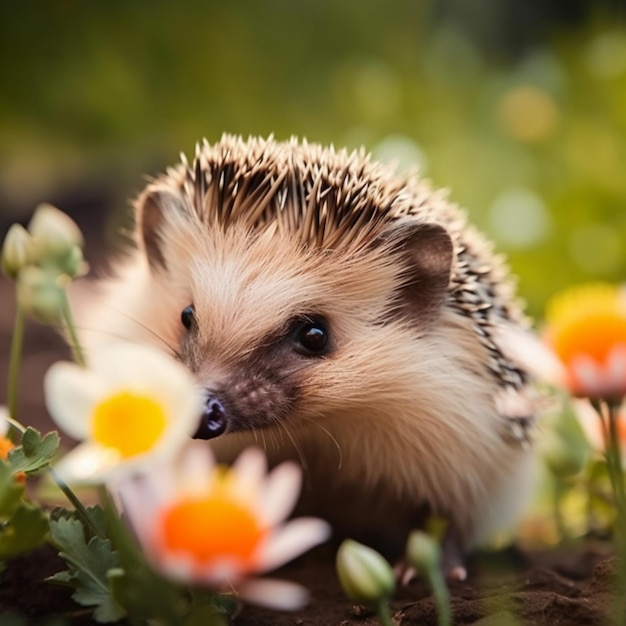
(517, 106)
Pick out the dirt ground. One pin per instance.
(564, 587)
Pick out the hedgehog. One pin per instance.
(341, 314)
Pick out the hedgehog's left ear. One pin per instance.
(428, 252)
(152, 209)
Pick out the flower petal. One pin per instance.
(86, 463)
(4, 420)
(293, 539)
(71, 392)
(279, 595)
(250, 468)
(195, 467)
(281, 492)
(616, 366)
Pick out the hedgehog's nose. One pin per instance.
(213, 420)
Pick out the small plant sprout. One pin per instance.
(219, 527)
(366, 577)
(424, 554)
(133, 404)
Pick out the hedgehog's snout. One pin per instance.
(213, 421)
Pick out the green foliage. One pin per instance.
(11, 491)
(90, 563)
(108, 571)
(26, 530)
(23, 526)
(35, 453)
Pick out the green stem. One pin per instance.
(442, 599)
(66, 311)
(17, 343)
(616, 474)
(384, 613)
(81, 511)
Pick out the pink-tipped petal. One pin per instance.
(281, 492)
(616, 365)
(293, 539)
(589, 376)
(196, 462)
(250, 468)
(279, 595)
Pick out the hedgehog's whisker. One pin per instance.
(174, 351)
(296, 446)
(331, 437)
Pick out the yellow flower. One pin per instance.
(586, 328)
(132, 405)
(220, 526)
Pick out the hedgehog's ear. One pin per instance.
(151, 209)
(428, 251)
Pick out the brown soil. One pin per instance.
(567, 587)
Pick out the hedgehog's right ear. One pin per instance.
(428, 252)
(151, 209)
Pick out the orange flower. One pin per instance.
(220, 526)
(586, 328)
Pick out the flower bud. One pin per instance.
(54, 233)
(16, 250)
(365, 575)
(39, 295)
(423, 552)
(73, 264)
(565, 456)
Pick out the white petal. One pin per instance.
(279, 595)
(293, 539)
(71, 392)
(141, 367)
(4, 420)
(250, 468)
(86, 463)
(195, 467)
(281, 492)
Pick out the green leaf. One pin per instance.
(11, 491)
(25, 530)
(90, 564)
(35, 453)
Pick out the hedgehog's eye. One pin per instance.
(187, 316)
(311, 336)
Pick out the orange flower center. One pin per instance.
(592, 335)
(212, 527)
(129, 423)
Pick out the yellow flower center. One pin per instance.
(129, 423)
(213, 527)
(587, 320)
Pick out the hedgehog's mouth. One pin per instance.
(213, 421)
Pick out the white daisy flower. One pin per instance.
(132, 405)
(220, 526)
